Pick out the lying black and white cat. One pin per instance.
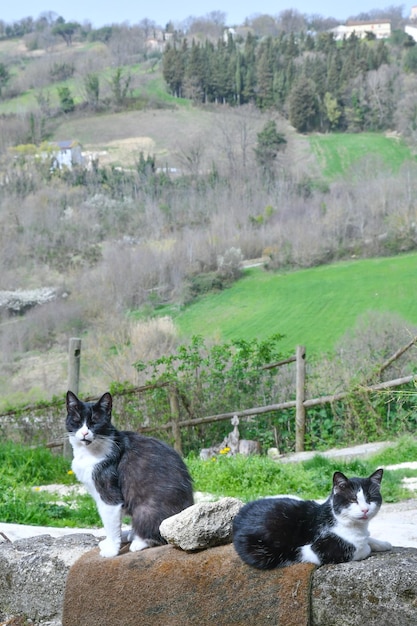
(126, 473)
(275, 532)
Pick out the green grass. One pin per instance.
(313, 307)
(338, 153)
(253, 477)
(23, 469)
(151, 85)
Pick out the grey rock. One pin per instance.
(21, 300)
(233, 443)
(379, 591)
(33, 573)
(203, 525)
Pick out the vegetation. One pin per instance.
(177, 191)
(255, 477)
(338, 153)
(24, 471)
(286, 303)
(318, 82)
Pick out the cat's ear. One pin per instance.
(106, 402)
(72, 401)
(377, 475)
(340, 482)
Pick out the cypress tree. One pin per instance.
(303, 105)
(265, 76)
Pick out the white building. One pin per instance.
(66, 154)
(381, 30)
(412, 31)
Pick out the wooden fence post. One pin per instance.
(300, 412)
(74, 359)
(175, 416)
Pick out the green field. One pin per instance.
(337, 153)
(313, 307)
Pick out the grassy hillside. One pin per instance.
(313, 307)
(182, 225)
(337, 153)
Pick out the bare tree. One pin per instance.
(263, 25)
(291, 21)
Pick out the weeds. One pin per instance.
(253, 477)
(24, 470)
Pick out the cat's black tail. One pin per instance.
(255, 552)
(251, 543)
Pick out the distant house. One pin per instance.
(413, 13)
(159, 40)
(227, 32)
(381, 30)
(412, 31)
(66, 154)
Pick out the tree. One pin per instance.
(265, 76)
(66, 30)
(66, 99)
(4, 77)
(92, 89)
(195, 73)
(248, 71)
(173, 67)
(292, 21)
(332, 109)
(303, 105)
(410, 60)
(221, 79)
(270, 142)
(119, 85)
(102, 34)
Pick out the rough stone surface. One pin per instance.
(379, 591)
(169, 587)
(203, 525)
(362, 451)
(21, 300)
(33, 573)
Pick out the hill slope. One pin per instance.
(312, 307)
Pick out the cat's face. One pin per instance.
(358, 499)
(88, 420)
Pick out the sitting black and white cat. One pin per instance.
(126, 473)
(275, 532)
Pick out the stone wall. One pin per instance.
(33, 573)
(65, 581)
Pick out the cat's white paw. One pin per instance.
(108, 548)
(138, 544)
(362, 551)
(379, 546)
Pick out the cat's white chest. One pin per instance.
(84, 462)
(83, 465)
(352, 526)
(359, 537)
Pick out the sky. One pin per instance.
(101, 13)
